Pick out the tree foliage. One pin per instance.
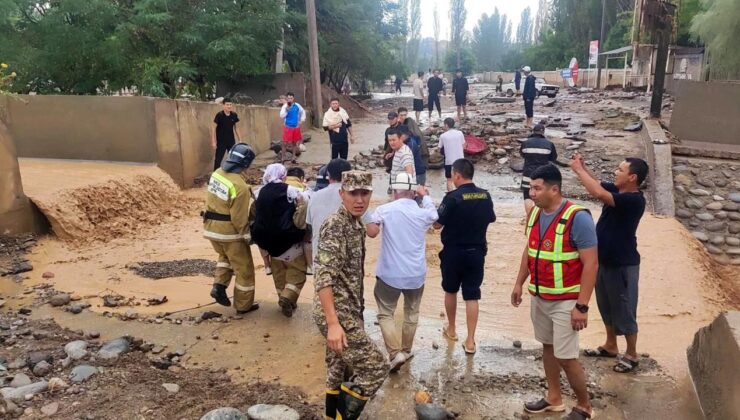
(458, 16)
(467, 60)
(524, 29)
(415, 33)
(491, 40)
(718, 27)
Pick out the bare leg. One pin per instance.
(552, 373)
(577, 380)
(458, 113)
(471, 317)
(631, 346)
(611, 344)
(451, 310)
(465, 111)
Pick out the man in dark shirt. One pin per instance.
(460, 88)
(434, 86)
(619, 261)
(224, 132)
(537, 150)
(529, 93)
(465, 214)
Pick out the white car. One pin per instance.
(472, 79)
(542, 87)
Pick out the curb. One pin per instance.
(658, 151)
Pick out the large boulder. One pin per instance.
(224, 413)
(272, 412)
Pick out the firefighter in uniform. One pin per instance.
(225, 224)
(339, 303)
(537, 150)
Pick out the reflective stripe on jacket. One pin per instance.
(536, 151)
(228, 194)
(554, 263)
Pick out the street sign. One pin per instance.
(565, 73)
(593, 53)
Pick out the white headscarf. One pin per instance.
(274, 173)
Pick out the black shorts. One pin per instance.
(462, 267)
(418, 104)
(525, 193)
(448, 171)
(434, 100)
(616, 296)
(460, 100)
(529, 108)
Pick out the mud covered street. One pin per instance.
(140, 269)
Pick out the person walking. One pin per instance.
(225, 224)
(452, 146)
(537, 150)
(339, 304)
(337, 123)
(460, 88)
(619, 261)
(293, 116)
(278, 210)
(530, 92)
(499, 84)
(224, 132)
(418, 91)
(435, 85)
(398, 83)
(401, 267)
(404, 119)
(464, 216)
(560, 260)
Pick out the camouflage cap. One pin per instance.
(357, 180)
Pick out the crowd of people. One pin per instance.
(566, 257)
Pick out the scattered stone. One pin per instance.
(210, 315)
(684, 214)
(50, 409)
(57, 384)
(18, 363)
(516, 165)
(700, 235)
(42, 368)
(503, 160)
(422, 397)
(115, 348)
(24, 311)
(48, 275)
(573, 147)
(93, 334)
(172, 388)
(705, 217)
(19, 380)
(20, 393)
(157, 349)
(699, 192)
(82, 373)
(37, 356)
(499, 152)
(224, 413)
(74, 308)
(272, 412)
(76, 350)
(432, 412)
(517, 344)
(156, 300)
(60, 299)
(634, 126)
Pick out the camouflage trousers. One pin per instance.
(362, 356)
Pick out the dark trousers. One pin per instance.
(434, 100)
(221, 149)
(339, 150)
(529, 107)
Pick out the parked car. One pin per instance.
(472, 79)
(542, 87)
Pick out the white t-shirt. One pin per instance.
(401, 159)
(402, 263)
(418, 89)
(453, 142)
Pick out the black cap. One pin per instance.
(392, 114)
(539, 129)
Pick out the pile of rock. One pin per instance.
(707, 198)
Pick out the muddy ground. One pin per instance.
(150, 281)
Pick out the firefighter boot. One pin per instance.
(351, 402)
(332, 397)
(219, 294)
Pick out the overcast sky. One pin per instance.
(512, 9)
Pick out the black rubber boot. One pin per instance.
(286, 307)
(218, 292)
(252, 308)
(351, 402)
(332, 397)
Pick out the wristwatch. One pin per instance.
(582, 308)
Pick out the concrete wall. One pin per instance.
(714, 363)
(173, 134)
(614, 76)
(261, 88)
(706, 111)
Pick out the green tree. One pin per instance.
(415, 32)
(491, 40)
(524, 29)
(718, 27)
(467, 60)
(688, 9)
(458, 15)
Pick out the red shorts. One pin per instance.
(292, 135)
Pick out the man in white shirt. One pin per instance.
(418, 88)
(452, 145)
(402, 262)
(326, 202)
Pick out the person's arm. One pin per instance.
(553, 153)
(237, 134)
(454, 85)
(213, 134)
(301, 213)
(349, 131)
(583, 236)
(328, 267)
(301, 112)
(430, 212)
(521, 277)
(284, 111)
(239, 211)
(374, 221)
(592, 185)
(444, 211)
(325, 122)
(335, 337)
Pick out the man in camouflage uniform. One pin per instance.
(339, 302)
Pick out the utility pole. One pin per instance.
(661, 17)
(601, 45)
(313, 53)
(279, 52)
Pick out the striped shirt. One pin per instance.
(401, 159)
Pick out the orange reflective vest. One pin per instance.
(554, 263)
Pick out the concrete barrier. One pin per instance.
(707, 111)
(714, 363)
(660, 176)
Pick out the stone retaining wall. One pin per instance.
(707, 198)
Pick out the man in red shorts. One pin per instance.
(293, 116)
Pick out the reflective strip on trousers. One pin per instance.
(244, 288)
(224, 237)
(292, 287)
(223, 265)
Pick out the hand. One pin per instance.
(578, 320)
(335, 338)
(352, 139)
(516, 296)
(576, 162)
(422, 191)
(388, 155)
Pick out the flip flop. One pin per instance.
(469, 351)
(625, 365)
(578, 414)
(448, 336)
(599, 352)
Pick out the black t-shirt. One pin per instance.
(225, 127)
(617, 227)
(460, 87)
(342, 137)
(465, 214)
(435, 85)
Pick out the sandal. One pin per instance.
(542, 406)
(599, 352)
(447, 335)
(467, 351)
(578, 414)
(625, 365)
